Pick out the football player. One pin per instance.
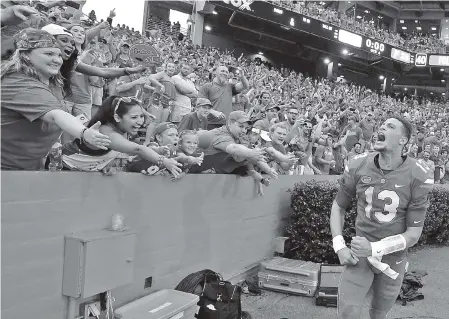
(392, 199)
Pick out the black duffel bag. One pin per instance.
(219, 299)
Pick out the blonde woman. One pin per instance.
(32, 118)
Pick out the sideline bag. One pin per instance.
(219, 299)
(329, 280)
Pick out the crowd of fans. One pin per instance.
(414, 42)
(74, 99)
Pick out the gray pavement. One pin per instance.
(435, 261)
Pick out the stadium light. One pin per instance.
(260, 53)
(215, 12)
(381, 77)
(345, 52)
(208, 28)
(326, 61)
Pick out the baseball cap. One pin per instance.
(30, 38)
(126, 44)
(162, 127)
(203, 102)
(239, 116)
(55, 29)
(270, 107)
(263, 134)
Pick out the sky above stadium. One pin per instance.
(129, 12)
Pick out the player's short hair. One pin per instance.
(407, 127)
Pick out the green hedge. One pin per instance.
(309, 226)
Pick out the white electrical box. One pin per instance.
(97, 261)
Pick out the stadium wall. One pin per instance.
(203, 221)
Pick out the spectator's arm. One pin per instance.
(105, 72)
(128, 86)
(184, 88)
(121, 144)
(238, 150)
(243, 84)
(264, 167)
(155, 78)
(278, 156)
(16, 14)
(71, 125)
(95, 31)
(292, 134)
(316, 170)
(318, 130)
(112, 49)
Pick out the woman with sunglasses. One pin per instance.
(32, 118)
(120, 117)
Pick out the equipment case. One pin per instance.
(289, 276)
(164, 304)
(329, 280)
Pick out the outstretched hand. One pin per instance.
(17, 14)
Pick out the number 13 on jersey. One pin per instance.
(390, 206)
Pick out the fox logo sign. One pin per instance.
(241, 4)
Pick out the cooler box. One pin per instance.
(328, 291)
(164, 304)
(290, 276)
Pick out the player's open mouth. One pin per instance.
(381, 137)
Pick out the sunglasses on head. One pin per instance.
(126, 99)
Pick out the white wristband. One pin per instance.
(338, 243)
(388, 245)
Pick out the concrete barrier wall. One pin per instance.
(203, 221)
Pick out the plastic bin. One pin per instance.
(164, 304)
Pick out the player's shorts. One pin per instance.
(358, 279)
